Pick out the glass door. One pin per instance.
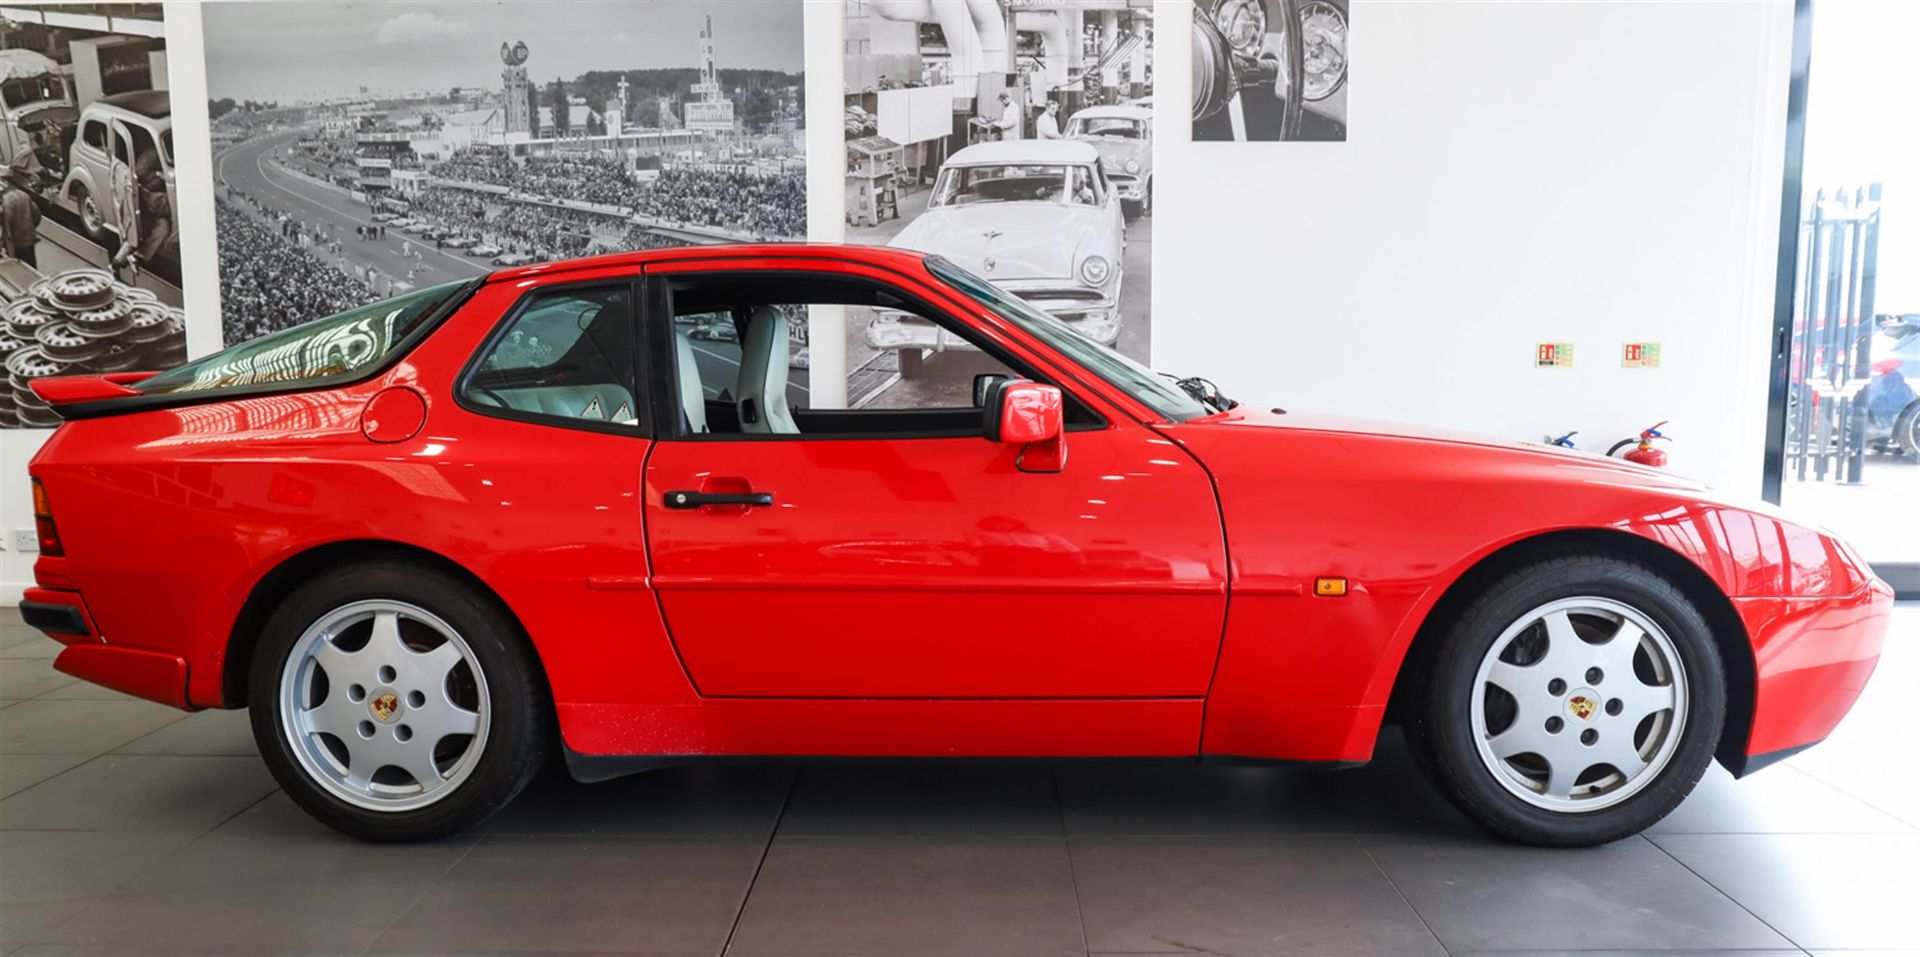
(1845, 417)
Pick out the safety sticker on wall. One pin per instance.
(1553, 355)
(1640, 355)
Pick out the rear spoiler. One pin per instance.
(63, 393)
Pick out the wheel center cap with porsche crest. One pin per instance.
(384, 705)
(1583, 704)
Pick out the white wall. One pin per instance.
(1540, 170)
(1516, 172)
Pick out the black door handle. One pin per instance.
(698, 499)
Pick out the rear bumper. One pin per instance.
(63, 621)
(153, 675)
(62, 616)
(1812, 659)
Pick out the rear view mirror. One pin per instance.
(1031, 415)
(983, 383)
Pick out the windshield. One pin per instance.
(313, 352)
(1109, 126)
(33, 89)
(1013, 183)
(1136, 380)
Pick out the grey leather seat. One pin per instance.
(761, 392)
(693, 394)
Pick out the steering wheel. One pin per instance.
(1220, 72)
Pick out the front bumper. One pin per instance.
(1131, 188)
(1812, 659)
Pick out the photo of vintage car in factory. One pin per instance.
(1015, 140)
(1123, 136)
(89, 257)
(1270, 70)
(1037, 218)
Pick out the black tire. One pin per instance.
(94, 226)
(1440, 731)
(1906, 430)
(519, 734)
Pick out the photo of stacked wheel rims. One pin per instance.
(80, 322)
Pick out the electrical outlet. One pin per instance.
(26, 540)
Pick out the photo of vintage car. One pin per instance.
(1123, 135)
(36, 108)
(122, 139)
(372, 550)
(1038, 218)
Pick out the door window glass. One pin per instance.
(565, 356)
(742, 361)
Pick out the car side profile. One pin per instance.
(431, 541)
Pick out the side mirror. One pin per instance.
(983, 383)
(1031, 415)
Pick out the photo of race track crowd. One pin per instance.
(364, 193)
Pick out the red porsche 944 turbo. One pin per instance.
(589, 507)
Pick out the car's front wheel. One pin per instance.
(394, 703)
(1576, 701)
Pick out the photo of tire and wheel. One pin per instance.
(1270, 70)
(1574, 700)
(90, 257)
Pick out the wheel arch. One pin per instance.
(1728, 631)
(296, 569)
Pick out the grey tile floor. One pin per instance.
(129, 828)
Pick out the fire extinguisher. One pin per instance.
(1643, 452)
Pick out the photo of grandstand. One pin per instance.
(365, 149)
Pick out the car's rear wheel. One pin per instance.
(90, 217)
(1576, 701)
(394, 703)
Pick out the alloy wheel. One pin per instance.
(385, 705)
(1579, 704)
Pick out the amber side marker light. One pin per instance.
(43, 522)
(1330, 587)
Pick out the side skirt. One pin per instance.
(594, 768)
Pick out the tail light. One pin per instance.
(1885, 366)
(43, 522)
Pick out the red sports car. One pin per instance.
(432, 540)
